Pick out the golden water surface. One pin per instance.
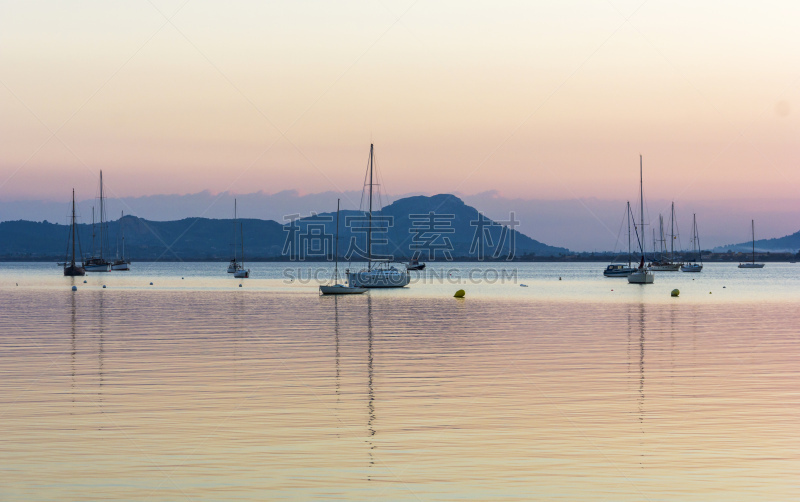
(250, 395)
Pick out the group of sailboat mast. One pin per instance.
(98, 261)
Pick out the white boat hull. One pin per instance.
(692, 267)
(102, 267)
(242, 274)
(751, 265)
(340, 289)
(378, 278)
(642, 276)
(671, 267)
(120, 266)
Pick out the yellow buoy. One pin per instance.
(675, 292)
(459, 294)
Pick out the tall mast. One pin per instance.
(672, 234)
(122, 230)
(336, 249)
(369, 229)
(641, 203)
(93, 247)
(102, 215)
(629, 234)
(753, 228)
(72, 261)
(234, 230)
(241, 232)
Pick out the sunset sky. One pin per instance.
(537, 100)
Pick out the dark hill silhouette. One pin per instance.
(453, 233)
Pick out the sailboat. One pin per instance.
(642, 275)
(336, 288)
(70, 268)
(752, 263)
(379, 273)
(234, 266)
(693, 266)
(242, 273)
(665, 263)
(121, 263)
(98, 263)
(619, 269)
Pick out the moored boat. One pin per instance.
(120, 263)
(752, 263)
(695, 265)
(620, 269)
(71, 269)
(98, 262)
(336, 288)
(642, 275)
(379, 272)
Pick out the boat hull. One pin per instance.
(751, 265)
(666, 267)
(692, 267)
(97, 267)
(74, 271)
(121, 266)
(340, 289)
(421, 266)
(641, 277)
(379, 278)
(242, 274)
(618, 271)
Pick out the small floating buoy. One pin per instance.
(84, 282)
(675, 292)
(104, 286)
(459, 294)
(709, 292)
(612, 290)
(74, 288)
(151, 283)
(723, 287)
(523, 285)
(240, 285)
(559, 278)
(181, 278)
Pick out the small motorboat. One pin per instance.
(340, 289)
(618, 270)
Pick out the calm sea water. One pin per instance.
(583, 388)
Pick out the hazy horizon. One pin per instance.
(588, 224)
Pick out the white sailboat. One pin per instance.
(620, 269)
(336, 288)
(693, 265)
(665, 262)
(379, 273)
(642, 275)
(234, 266)
(240, 272)
(752, 263)
(121, 264)
(98, 263)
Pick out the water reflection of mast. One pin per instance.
(641, 365)
(336, 339)
(73, 321)
(370, 392)
(100, 352)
